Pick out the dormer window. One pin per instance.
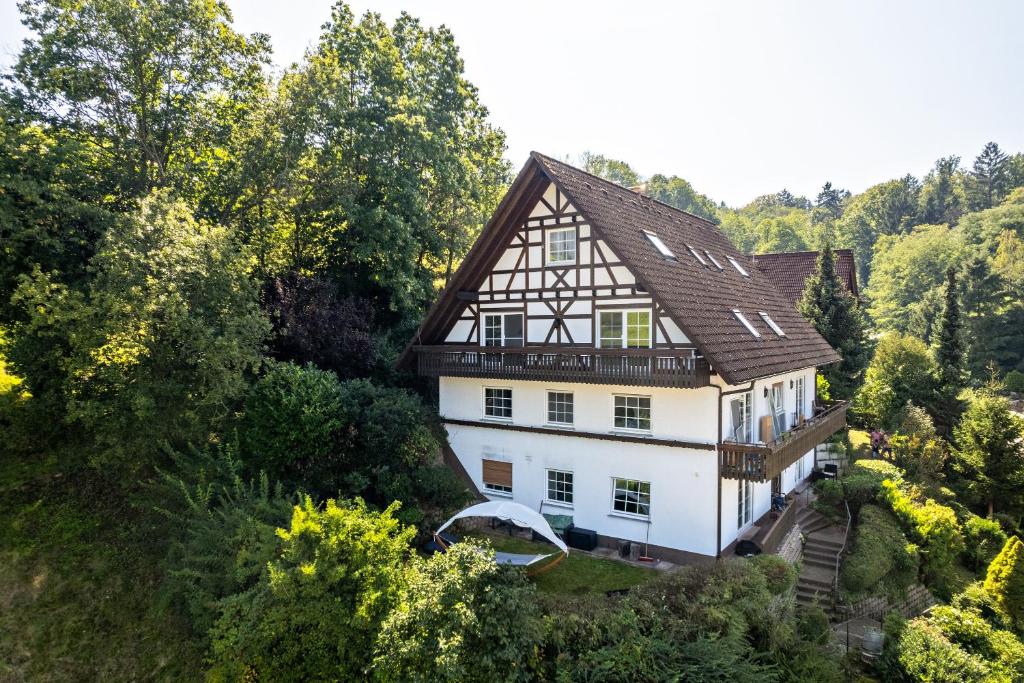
(738, 267)
(746, 323)
(713, 260)
(696, 255)
(660, 246)
(771, 323)
(561, 246)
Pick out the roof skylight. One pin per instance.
(737, 266)
(746, 323)
(713, 260)
(659, 245)
(696, 255)
(771, 323)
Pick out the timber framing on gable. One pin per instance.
(615, 266)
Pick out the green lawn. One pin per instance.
(861, 442)
(578, 574)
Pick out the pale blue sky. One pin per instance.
(740, 98)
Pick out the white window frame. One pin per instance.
(485, 319)
(551, 232)
(801, 398)
(747, 420)
(714, 260)
(771, 323)
(777, 408)
(626, 503)
(511, 399)
(697, 256)
(736, 264)
(571, 403)
(659, 245)
(567, 485)
(636, 430)
(624, 332)
(746, 323)
(744, 504)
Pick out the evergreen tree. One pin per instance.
(990, 451)
(950, 355)
(830, 202)
(835, 313)
(988, 176)
(1005, 580)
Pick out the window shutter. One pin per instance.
(497, 473)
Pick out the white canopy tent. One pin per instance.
(521, 516)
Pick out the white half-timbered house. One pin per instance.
(608, 357)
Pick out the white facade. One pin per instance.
(683, 480)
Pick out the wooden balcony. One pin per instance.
(678, 368)
(761, 462)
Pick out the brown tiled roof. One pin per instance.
(700, 298)
(789, 271)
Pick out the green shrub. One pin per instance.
(697, 623)
(1014, 381)
(864, 480)
(292, 420)
(316, 612)
(935, 530)
(1005, 581)
(881, 560)
(813, 625)
(968, 629)
(925, 654)
(829, 491)
(983, 539)
(224, 530)
(460, 617)
(974, 597)
(780, 574)
(347, 439)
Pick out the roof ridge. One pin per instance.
(805, 251)
(704, 221)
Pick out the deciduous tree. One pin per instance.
(158, 347)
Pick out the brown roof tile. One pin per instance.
(789, 271)
(700, 298)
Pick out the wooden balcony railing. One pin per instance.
(678, 368)
(761, 462)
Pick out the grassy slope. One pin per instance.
(578, 574)
(79, 595)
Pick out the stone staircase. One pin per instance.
(822, 545)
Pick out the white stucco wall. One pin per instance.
(680, 414)
(683, 486)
